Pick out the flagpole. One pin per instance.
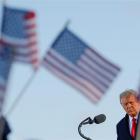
(21, 93)
(67, 24)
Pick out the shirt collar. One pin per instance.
(130, 118)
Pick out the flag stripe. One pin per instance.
(29, 15)
(100, 80)
(83, 66)
(13, 41)
(90, 51)
(31, 26)
(26, 59)
(25, 53)
(21, 46)
(102, 63)
(94, 66)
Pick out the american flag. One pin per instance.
(19, 32)
(6, 57)
(80, 65)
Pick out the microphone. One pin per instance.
(97, 119)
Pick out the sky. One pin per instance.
(52, 110)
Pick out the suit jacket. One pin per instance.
(4, 128)
(123, 131)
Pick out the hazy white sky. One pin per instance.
(51, 109)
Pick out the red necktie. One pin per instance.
(133, 130)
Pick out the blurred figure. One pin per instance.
(126, 128)
(4, 129)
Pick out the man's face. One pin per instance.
(131, 105)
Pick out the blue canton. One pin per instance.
(14, 23)
(69, 46)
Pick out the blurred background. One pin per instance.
(50, 109)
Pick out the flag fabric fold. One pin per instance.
(19, 32)
(79, 65)
(6, 59)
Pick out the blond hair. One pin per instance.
(128, 93)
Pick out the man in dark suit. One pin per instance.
(4, 128)
(126, 128)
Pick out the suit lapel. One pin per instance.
(127, 126)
